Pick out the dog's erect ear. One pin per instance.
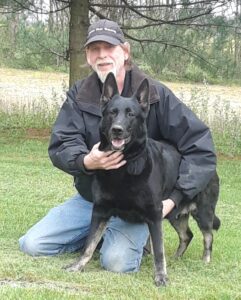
(142, 94)
(109, 89)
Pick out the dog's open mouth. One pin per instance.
(119, 144)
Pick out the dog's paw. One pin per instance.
(75, 267)
(161, 280)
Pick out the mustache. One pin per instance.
(104, 61)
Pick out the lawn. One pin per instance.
(30, 186)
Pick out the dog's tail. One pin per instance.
(216, 222)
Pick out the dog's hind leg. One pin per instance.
(204, 219)
(185, 234)
(155, 229)
(207, 244)
(97, 228)
(205, 215)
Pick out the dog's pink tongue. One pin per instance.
(118, 143)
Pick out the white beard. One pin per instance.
(101, 74)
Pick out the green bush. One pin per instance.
(195, 73)
(33, 46)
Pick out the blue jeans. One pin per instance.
(65, 228)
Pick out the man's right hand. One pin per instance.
(109, 160)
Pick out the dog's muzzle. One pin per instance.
(118, 139)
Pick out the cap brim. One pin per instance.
(103, 38)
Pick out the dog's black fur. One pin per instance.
(135, 191)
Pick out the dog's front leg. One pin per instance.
(97, 228)
(155, 229)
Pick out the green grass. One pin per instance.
(30, 186)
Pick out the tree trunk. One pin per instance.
(51, 16)
(79, 22)
(14, 23)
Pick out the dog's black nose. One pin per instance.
(117, 129)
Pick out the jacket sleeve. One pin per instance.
(180, 126)
(67, 144)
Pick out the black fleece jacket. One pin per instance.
(76, 131)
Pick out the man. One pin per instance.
(74, 149)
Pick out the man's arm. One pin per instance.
(168, 206)
(180, 126)
(68, 140)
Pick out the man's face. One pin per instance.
(104, 58)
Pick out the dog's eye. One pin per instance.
(130, 114)
(114, 112)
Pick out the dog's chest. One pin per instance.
(126, 187)
(128, 197)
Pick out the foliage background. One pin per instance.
(173, 40)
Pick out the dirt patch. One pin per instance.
(16, 134)
(51, 285)
(34, 133)
(222, 156)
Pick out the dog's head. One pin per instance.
(123, 119)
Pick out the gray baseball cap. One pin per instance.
(105, 31)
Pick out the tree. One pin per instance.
(79, 22)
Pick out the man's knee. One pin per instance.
(36, 247)
(29, 246)
(117, 262)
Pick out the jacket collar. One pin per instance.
(136, 78)
(89, 93)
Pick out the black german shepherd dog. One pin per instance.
(135, 191)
